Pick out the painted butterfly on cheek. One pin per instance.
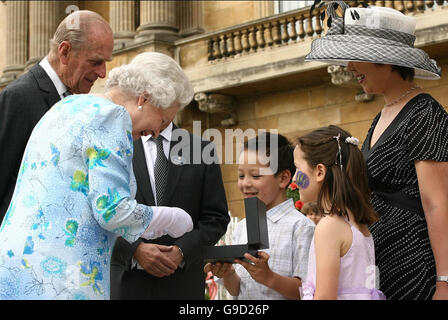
(302, 180)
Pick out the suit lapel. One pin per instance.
(174, 173)
(45, 85)
(141, 173)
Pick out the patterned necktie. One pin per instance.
(66, 94)
(160, 170)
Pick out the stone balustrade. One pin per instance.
(293, 26)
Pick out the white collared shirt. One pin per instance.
(290, 235)
(151, 153)
(60, 86)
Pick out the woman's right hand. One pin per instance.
(172, 221)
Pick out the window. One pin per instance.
(284, 6)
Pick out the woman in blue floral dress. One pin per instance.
(75, 190)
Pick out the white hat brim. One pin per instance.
(342, 49)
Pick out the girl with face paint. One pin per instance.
(330, 170)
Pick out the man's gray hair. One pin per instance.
(75, 28)
(156, 76)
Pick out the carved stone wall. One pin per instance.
(218, 103)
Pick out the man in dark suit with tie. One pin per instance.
(168, 268)
(77, 57)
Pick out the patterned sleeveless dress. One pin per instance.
(402, 246)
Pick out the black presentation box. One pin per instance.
(257, 236)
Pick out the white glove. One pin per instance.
(168, 220)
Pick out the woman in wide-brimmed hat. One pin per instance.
(406, 148)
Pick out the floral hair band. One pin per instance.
(352, 140)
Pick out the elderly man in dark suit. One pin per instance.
(77, 57)
(168, 268)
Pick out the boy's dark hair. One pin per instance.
(284, 149)
(345, 189)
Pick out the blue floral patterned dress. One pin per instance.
(74, 196)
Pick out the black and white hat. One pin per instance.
(374, 34)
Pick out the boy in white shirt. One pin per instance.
(277, 272)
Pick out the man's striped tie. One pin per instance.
(160, 170)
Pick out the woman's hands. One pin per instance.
(441, 291)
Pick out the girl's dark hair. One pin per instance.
(345, 189)
(284, 149)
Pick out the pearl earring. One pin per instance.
(139, 108)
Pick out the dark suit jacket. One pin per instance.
(22, 104)
(199, 190)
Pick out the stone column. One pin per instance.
(190, 18)
(17, 39)
(157, 18)
(122, 21)
(44, 19)
(266, 8)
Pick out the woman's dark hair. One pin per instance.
(344, 189)
(405, 72)
(284, 149)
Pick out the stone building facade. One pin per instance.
(245, 59)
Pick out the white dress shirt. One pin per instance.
(60, 87)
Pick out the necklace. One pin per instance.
(402, 97)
